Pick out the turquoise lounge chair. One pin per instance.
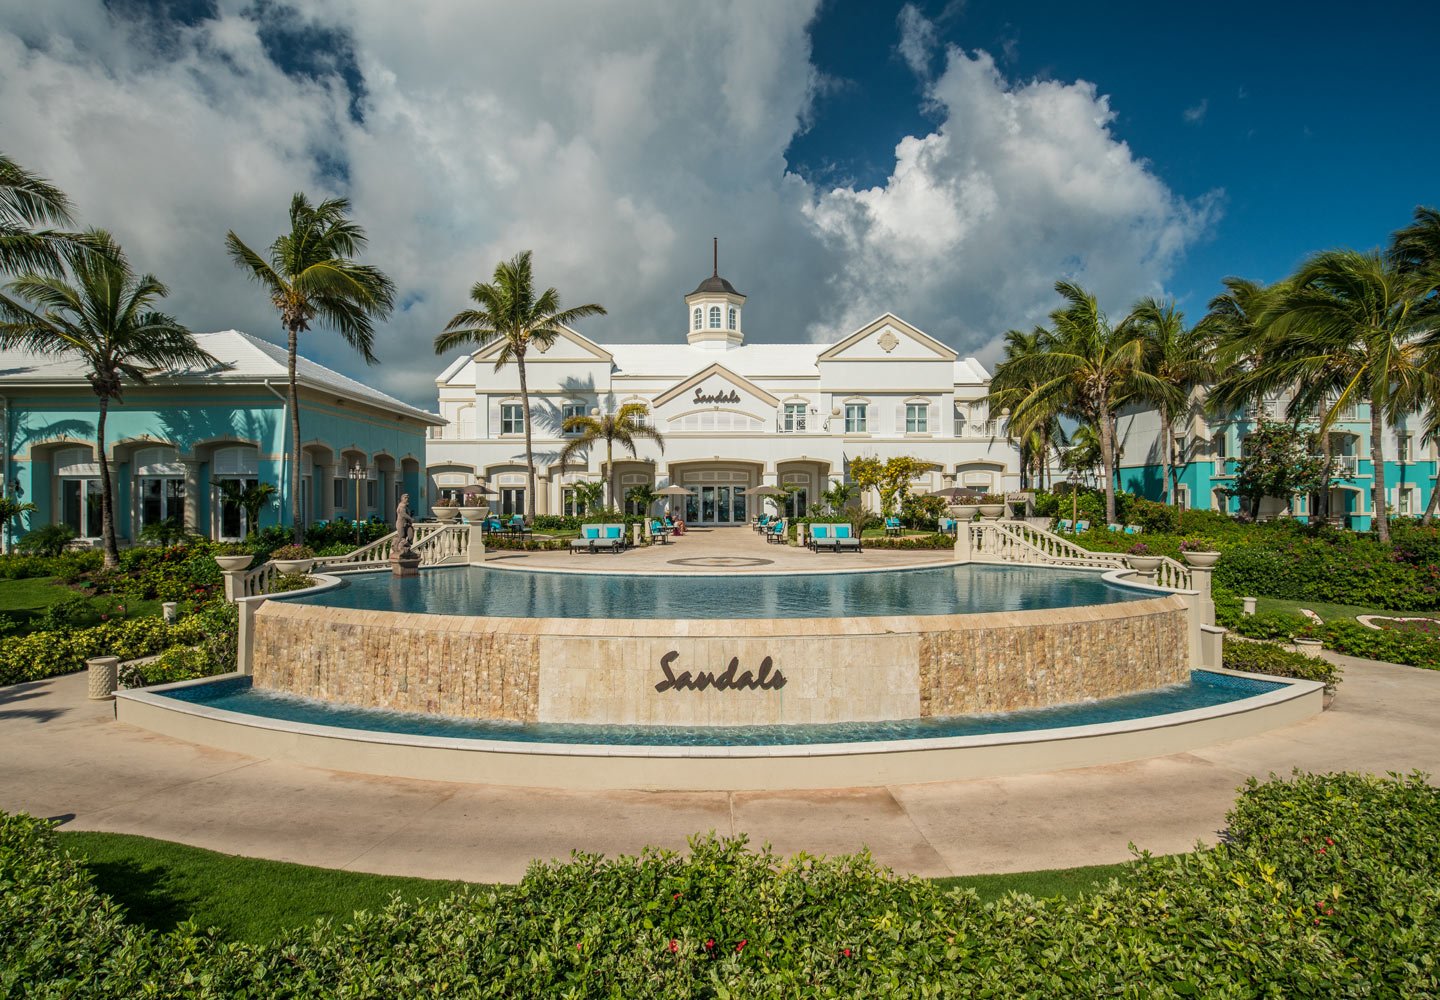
(1133, 529)
(1065, 526)
(1114, 527)
(820, 537)
(762, 522)
(892, 526)
(658, 530)
(776, 532)
(846, 539)
(1081, 526)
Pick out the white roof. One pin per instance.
(243, 359)
(749, 360)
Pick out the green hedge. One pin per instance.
(1413, 649)
(1267, 658)
(938, 540)
(47, 654)
(1323, 887)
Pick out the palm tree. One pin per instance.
(623, 426)
(28, 201)
(311, 276)
(248, 498)
(100, 313)
(1087, 369)
(1415, 251)
(643, 496)
(1350, 329)
(1179, 358)
(1041, 429)
(511, 312)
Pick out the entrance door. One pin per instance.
(717, 505)
(80, 506)
(512, 500)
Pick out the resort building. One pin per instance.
(1207, 451)
(733, 415)
(171, 443)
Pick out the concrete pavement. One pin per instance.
(65, 757)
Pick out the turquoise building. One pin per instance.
(173, 442)
(1206, 450)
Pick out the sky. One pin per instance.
(945, 161)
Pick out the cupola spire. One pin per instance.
(712, 311)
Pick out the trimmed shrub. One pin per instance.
(938, 540)
(50, 653)
(1413, 649)
(1267, 658)
(529, 543)
(1324, 886)
(1270, 625)
(1155, 518)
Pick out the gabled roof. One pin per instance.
(243, 360)
(942, 352)
(721, 371)
(585, 344)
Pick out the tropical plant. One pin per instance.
(1415, 252)
(589, 496)
(1279, 460)
(28, 202)
(623, 427)
(1348, 329)
(642, 496)
(890, 478)
(165, 532)
(248, 498)
(1179, 358)
(1087, 369)
(1040, 431)
(838, 496)
(47, 540)
(511, 312)
(1082, 458)
(10, 509)
(99, 312)
(312, 276)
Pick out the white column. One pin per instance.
(192, 498)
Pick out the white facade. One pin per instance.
(733, 415)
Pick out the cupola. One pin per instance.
(713, 311)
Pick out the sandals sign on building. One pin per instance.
(720, 397)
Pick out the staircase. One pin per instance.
(435, 544)
(1019, 542)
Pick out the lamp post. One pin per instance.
(357, 476)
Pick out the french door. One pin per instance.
(716, 505)
(80, 506)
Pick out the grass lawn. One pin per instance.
(26, 600)
(161, 884)
(1326, 611)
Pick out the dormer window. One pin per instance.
(734, 317)
(714, 317)
(698, 316)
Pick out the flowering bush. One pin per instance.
(1324, 886)
(1138, 549)
(49, 653)
(1197, 545)
(293, 552)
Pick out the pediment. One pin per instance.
(715, 386)
(889, 338)
(569, 346)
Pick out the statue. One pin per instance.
(403, 560)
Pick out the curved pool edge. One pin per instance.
(741, 768)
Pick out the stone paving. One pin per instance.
(66, 758)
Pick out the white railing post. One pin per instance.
(475, 544)
(1200, 581)
(234, 584)
(964, 544)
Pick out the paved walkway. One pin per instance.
(65, 757)
(718, 550)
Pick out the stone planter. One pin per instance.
(1203, 560)
(104, 676)
(1310, 647)
(232, 563)
(446, 515)
(1145, 565)
(473, 515)
(992, 511)
(288, 566)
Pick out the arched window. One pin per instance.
(698, 316)
(734, 316)
(714, 317)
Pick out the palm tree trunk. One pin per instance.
(1323, 507)
(297, 523)
(1167, 443)
(1377, 470)
(1434, 503)
(1107, 460)
(529, 446)
(107, 509)
(609, 472)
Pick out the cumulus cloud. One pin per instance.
(641, 134)
(1196, 114)
(918, 40)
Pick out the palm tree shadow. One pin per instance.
(153, 896)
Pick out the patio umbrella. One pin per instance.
(951, 492)
(675, 491)
(763, 491)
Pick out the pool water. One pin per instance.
(1203, 690)
(941, 590)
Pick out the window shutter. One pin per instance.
(900, 419)
(932, 419)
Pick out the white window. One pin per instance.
(917, 418)
(734, 317)
(855, 418)
(1221, 444)
(1402, 446)
(714, 317)
(512, 418)
(467, 422)
(697, 318)
(1407, 503)
(571, 410)
(794, 419)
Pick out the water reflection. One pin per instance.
(929, 591)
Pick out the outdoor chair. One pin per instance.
(517, 525)
(493, 525)
(659, 532)
(846, 539)
(1081, 526)
(1133, 529)
(776, 532)
(1113, 527)
(762, 522)
(820, 537)
(892, 526)
(1064, 526)
(589, 535)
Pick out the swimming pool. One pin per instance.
(942, 590)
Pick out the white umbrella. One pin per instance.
(675, 491)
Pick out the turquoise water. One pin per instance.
(943, 590)
(1203, 690)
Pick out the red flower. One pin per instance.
(1329, 841)
(709, 943)
(577, 945)
(676, 896)
(742, 944)
(674, 947)
(845, 952)
(1321, 851)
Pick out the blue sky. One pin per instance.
(944, 161)
(1317, 121)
